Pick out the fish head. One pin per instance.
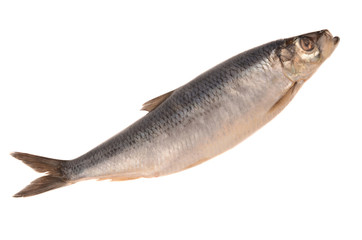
(302, 55)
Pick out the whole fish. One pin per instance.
(197, 121)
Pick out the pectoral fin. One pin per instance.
(285, 99)
(155, 102)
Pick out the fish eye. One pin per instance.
(307, 44)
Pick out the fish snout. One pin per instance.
(327, 34)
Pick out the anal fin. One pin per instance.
(117, 178)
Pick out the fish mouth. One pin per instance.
(329, 36)
(336, 40)
(327, 43)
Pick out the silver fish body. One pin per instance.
(200, 120)
(205, 117)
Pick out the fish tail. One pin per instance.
(54, 179)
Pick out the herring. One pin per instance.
(197, 121)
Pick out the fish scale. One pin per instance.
(197, 121)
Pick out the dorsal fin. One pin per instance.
(153, 103)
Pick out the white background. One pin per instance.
(74, 73)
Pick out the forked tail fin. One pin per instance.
(54, 178)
